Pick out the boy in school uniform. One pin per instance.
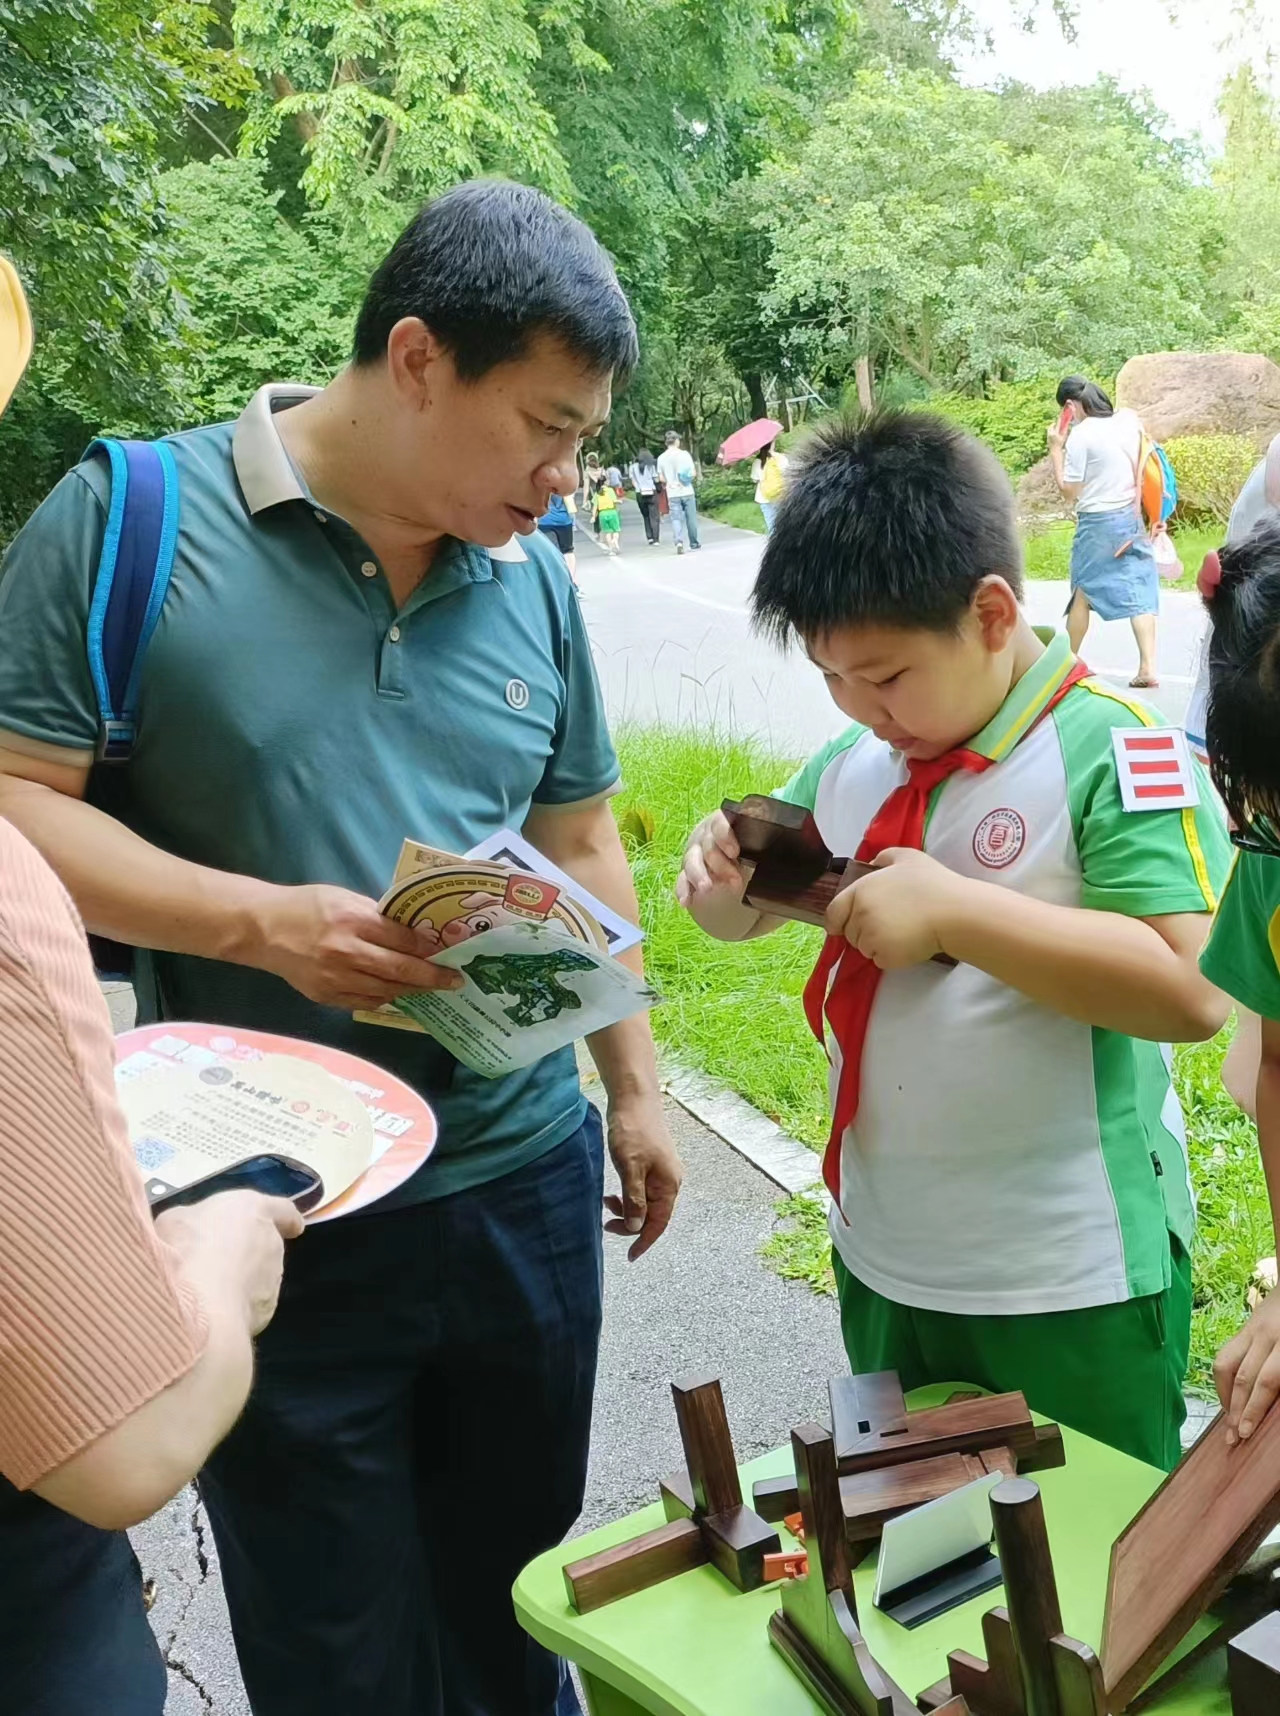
(1241, 587)
(1011, 1199)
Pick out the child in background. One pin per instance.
(609, 525)
(1011, 1199)
(1242, 591)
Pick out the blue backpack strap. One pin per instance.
(131, 583)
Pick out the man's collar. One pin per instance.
(1027, 702)
(510, 551)
(266, 473)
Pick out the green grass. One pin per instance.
(1048, 552)
(742, 514)
(800, 1249)
(733, 1010)
(1235, 1223)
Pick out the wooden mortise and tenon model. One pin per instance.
(792, 873)
(706, 1518)
(816, 1629)
(1032, 1668)
(1175, 1559)
(890, 1460)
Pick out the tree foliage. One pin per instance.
(972, 235)
(267, 301)
(394, 100)
(1248, 183)
(195, 191)
(86, 89)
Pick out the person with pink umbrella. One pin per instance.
(758, 441)
(769, 474)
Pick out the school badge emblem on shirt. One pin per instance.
(1155, 769)
(999, 838)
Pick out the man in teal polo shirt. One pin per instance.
(365, 638)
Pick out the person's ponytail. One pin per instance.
(1087, 394)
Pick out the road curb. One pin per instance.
(752, 1135)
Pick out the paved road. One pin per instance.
(701, 1301)
(673, 643)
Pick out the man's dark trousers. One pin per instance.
(74, 1636)
(417, 1432)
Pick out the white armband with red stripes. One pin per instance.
(1155, 769)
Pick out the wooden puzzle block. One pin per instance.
(870, 1403)
(816, 1629)
(634, 1566)
(1253, 1669)
(793, 874)
(960, 1426)
(737, 1542)
(1178, 1555)
(891, 1460)
(870, 1498)
(706, 1519)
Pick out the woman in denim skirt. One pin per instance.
(1096, 451)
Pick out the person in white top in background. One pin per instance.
(676, 473)
(1095, 451)
(643, 471)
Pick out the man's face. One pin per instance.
(480, 460)
(922, 692)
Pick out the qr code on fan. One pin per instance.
(153, 1153)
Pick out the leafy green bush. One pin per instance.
(720, 485)
(1012, 419)
(1211, 470)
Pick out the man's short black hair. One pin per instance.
(891, 519)
(1242, 731)
(491, 263)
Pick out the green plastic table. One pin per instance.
(695, 1646)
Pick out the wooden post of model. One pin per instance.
(1032, 1668)
(816, 1628)
(706, 1519)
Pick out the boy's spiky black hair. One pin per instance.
(892, 519)
(1242, 731)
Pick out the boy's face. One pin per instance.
(923, 692)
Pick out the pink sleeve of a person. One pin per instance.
(94, 1319)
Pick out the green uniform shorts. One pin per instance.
(1114, 1372)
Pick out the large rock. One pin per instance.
(1203, 393)
(1040, 499)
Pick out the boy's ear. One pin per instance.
(995, 608)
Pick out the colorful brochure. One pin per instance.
(536, 948)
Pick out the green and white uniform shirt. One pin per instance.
(1243, 955)
(1004, 1158)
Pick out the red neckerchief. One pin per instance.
(847, 1001)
